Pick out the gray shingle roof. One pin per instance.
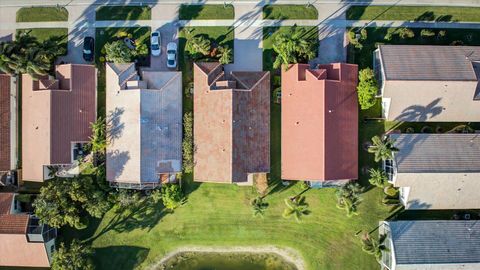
(436, 241)
(434, 63)
(437, 153)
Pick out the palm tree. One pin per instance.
(378, 178)
(374, 246)
(196, 44)
(293, 46)
(348, 198)
(225, 55)
(296, 207)
(382, 148)
(98, 140)
(258, 207)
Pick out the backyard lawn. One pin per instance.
(42, 14)
(206, 12)
(104, 35)
(414, 13)
(290, 12)
(60, 34)
(107, 13)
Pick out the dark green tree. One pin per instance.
(76, 257)
(367, 88)
(348, 198)
(259, 206)
(294, 46)
(172, 196)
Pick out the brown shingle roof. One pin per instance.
(319, 122)
(232, 123)
(54, 118)
(5, 122)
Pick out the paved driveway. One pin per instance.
(168, 33)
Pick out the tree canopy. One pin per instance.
(294, 46)
(26, 55)
(367, 88)
(65, 201)
(296, 208)
(76, 257)
(383, 149)
(172, 196)
(348, 198)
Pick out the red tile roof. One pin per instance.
(55, 114)
(320, 122)
(232, 123)
(5, 122)
(11, 223)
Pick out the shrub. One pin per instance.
(141, 50)
(427, 33)
(119, 52)
(367, 89)
(277, 80)
(402, 33)
(457, 43)
(187, 144)
(172, 196)
(378, 178)
(390, 191)
(441, 33)
(121, 34)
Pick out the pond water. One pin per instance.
(226, 261)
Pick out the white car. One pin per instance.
(172, 55)
(155, 41)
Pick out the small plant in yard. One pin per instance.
(187, 144)
(374, 246)
(390, 191)
(367, 88)
(76, 256)
(383, 149)
(225, 55)
(356, 38)
(348, 198)
(296, 207)
(98, 140)
(378, 178)
(427, 33)
(172, 196)
(259, 206)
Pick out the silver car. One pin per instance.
(172, 55)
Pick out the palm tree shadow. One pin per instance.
(419, 113)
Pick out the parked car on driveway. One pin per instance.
(88, 48)
(155, 41)
(172, 55)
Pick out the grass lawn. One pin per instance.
(290, 12)
(206, 12)
(102, 36)
(269, 34)
(110, 13)
(414, 13)
(42, 14)
(45, 33)
(220, 35)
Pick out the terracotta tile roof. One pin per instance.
(5, 122)
(67, 108)
(11, 223)
(15, 248)
(232, 123)
(319, 122)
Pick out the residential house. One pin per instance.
(24, 241)
(320, 123)
(431, 245)
(8, 129)
(56, 116)
(232, 124)
(144, 116)
(420, 83)
(436, 171)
